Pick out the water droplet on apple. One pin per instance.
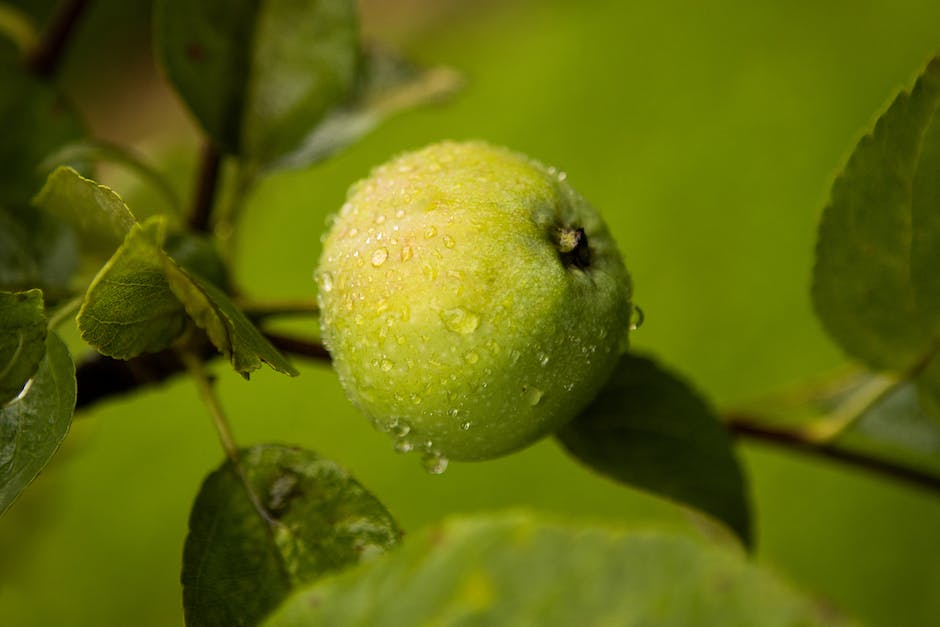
(543, 359)
(379, 256)
(430, 232)
(326, 282)
(406, 253)
(386, 365)
(533, 395)
(401, 428)
(449, 241)
(465, 425)
(380, 218)
(636, 318)
(459, 320)
(403, 445)
(472, 358)
(435, 463)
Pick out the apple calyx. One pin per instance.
(573, 248)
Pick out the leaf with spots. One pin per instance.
(240, 562)
(515, 569)
(34, 424)
(22, 340)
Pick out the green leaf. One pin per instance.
(36, 121)
(258, 74)
(140, 298)
(198, 255)
(227, 327)
(649, 430)
(22, 340)
(36, 251)
(388, 85)
(100, 218)
(925, 202)
(129, 307)
(33, 426)
(517, 570)
(878, 236)
(238, 564)
(92, 150)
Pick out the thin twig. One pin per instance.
(298, 346)
(100, 378)
(47, 56)
(196, 368)
(207, 185)
(204, 384)
(749, 427)
(259, 310)
(64, 312)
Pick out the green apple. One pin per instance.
(471, 300)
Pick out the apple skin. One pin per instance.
(471, 300)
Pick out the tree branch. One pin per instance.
(100, 378)
(750, 428)
(207, 184)
(47, 56)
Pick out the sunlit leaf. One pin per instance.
(129, 308)
(239, 563)
(518, 570)
(100, 218)
(649, 430)
(258, 74)
(91, 150)
(22, 340)
(868, 294)
(34, 424)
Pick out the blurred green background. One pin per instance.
(707, 134)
